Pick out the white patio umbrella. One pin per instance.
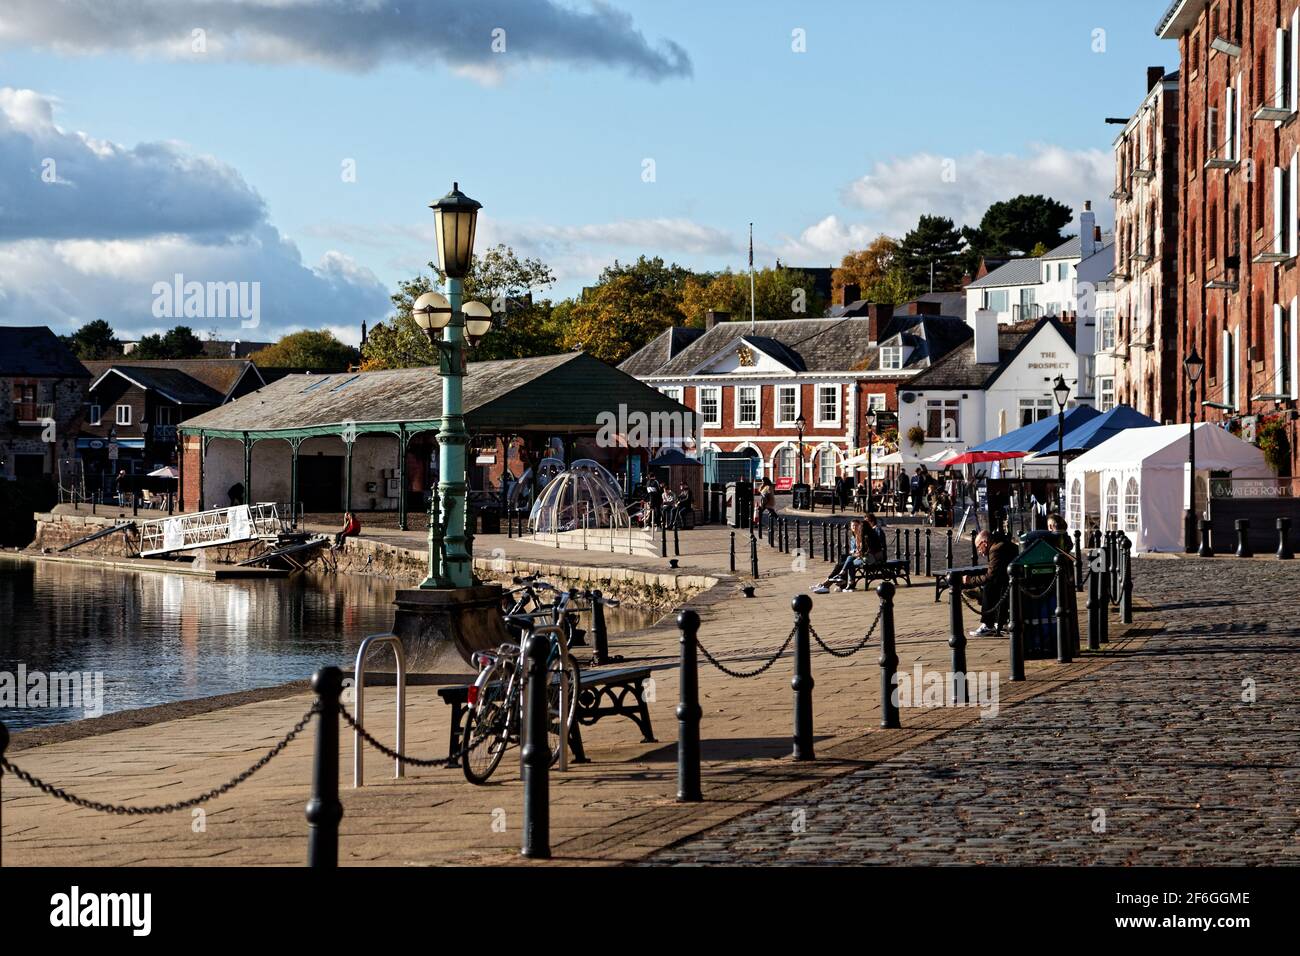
(167, 471)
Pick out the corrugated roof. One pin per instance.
(1015, 272)
(33, 350)
(564, 392)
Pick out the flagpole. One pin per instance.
(751, 277)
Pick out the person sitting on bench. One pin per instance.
(351, 528)
(842, 576)
(999, 550)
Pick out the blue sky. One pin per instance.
(822, 149)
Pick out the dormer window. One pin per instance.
(891, 357)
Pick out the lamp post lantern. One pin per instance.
(1193, 366)
(451, 324)
(1061, 389)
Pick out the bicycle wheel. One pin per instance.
(553, 731)
(485, 738)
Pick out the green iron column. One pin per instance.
(294, 445)
(248, 469)
(452, 442)
(401, 477)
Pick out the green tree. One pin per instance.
(629, 305)
(94, 340)
(895, 287)
(500, 280)
(1016, 226)
(778, 294)
(177, 343)
(936, 241)
(307, 349)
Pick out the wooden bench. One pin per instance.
(601, 693)
(891, 571)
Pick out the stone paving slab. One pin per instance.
(617, 808)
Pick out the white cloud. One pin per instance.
(93, 244)
(350, 34)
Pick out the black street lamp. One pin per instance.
(1061, 389)
(1193, 366)
(800, 422)
(871, 441)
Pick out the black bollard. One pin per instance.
(898, 547)
(916, 552)
(785, 536)
(957, 640)
(732, 552)
(1243, 538)
(1284, 550)
(888, 658)
(974, 552)
(753, 556)
(802, 683)
(601, 637)
(1078, 560)
(771, 531)
(1126, 582)
(1206, 550)
(1094, 602)
(826, 543)
(1103, 601)
(1016, 623)
(1064, 636)
(927, 552)
(4, 742)
(688, 712)
(677, 545)
(324, 811)
(948, 553)
(906, 553)
(663, 539)
(536, 754)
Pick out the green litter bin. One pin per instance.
(1038, 597)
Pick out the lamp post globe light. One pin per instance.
(446, 320)
(1193, 366)
(800, 422)
(1061, 389)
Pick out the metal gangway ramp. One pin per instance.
(209, 529)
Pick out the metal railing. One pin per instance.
(359, 694)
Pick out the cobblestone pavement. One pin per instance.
(1161, 758)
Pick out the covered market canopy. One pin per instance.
(1106, 426)
(1136, 481)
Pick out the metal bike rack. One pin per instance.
(358, 748)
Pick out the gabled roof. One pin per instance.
(33, 350)
(656, 353)
(220, 375)
(930, 337)
(777, 350)
(564, 393)
(820, 345)
(958, 369)
(1072, 248)
(171, 384)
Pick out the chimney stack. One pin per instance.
(1154, 75)
(1087, 231)
(851, 293)
(878, 316)
(713, 317)
(986, 337)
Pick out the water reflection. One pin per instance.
(158, 638)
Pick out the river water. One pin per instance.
(150, 638)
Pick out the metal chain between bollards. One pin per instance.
(997, 605)
(841, 652)
(745, 675)
(386, 751)
(60, 794)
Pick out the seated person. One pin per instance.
(999, 550)
(842, 576)
(351, 528)
(873, 538)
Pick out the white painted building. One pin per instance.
(1000, 381)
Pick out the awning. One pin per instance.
(136, 444)
(973, 457)
(1041, 434)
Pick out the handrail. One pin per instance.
(359, 676)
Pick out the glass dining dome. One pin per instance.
(585, 495)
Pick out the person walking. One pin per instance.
(904, 490)
(655, 495)
(765, 500)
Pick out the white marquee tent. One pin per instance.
(1137, 480)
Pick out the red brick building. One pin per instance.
(1239, 302)
(750, 385)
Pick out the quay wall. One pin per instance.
(639, 588)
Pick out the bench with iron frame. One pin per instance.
(601, 693)
(892, 571)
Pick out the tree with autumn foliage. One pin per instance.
(866, 267)
(627, 307)
(778, 294)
